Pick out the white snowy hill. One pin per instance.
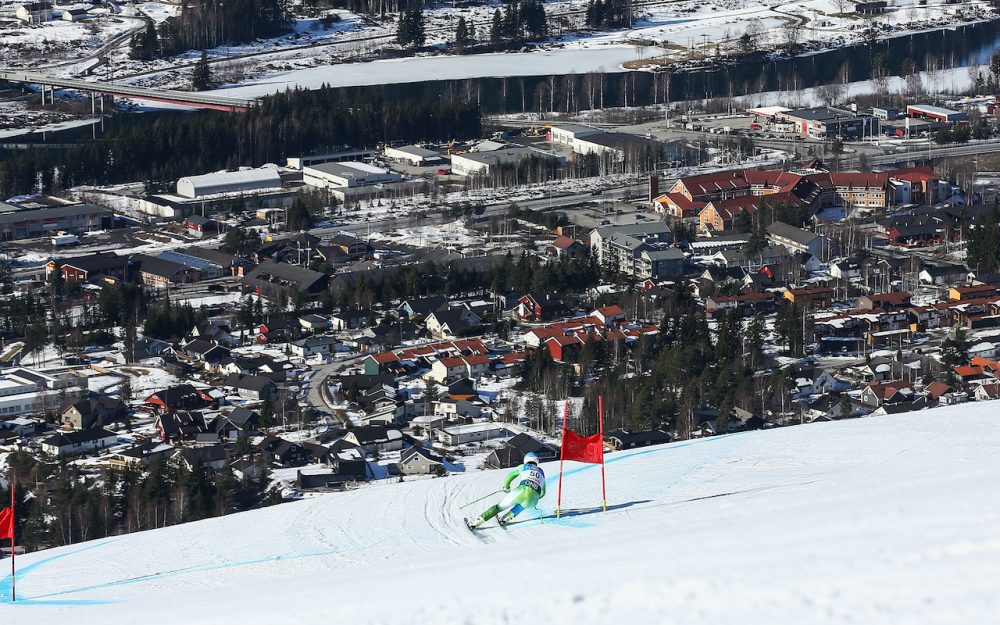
(891, 520)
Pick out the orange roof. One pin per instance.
(966, 370)
(679, 200)
(385, 357)
(985, 363)
(476, 359)
(563, 242)
(452, 362)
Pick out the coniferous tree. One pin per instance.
(496, 27)
(461, 35)
(201, 78)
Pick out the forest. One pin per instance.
(206, 24)
(289, 123)
(57, 504)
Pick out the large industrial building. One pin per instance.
(346, 174)
(413, 155)
(229, 182)
(822, 122)
(472, 163)
(936, 114)
(74, 218)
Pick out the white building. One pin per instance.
(79, 442)
(34, 12)
(471, 433)
(235, 182)
(74, 14)
(24, 391)
(567, 134)
(346, 174)
(413, 155)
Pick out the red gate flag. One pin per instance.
(588, 449)
(7, 523)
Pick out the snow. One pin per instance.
(879, 520)
(417, 69)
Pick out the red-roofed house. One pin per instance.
(609, 315)
(876, 394)
(564, 346)
(915, 185)
(565, 247)
(860, 190)
(379, 363)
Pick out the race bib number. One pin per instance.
(533, 480)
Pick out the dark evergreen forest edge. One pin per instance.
(286, 124)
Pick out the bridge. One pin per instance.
(185, 98)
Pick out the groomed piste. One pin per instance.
(879, 520)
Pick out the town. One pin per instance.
(409, 311)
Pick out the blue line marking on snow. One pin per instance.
(6, 583)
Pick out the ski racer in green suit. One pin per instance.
(528, 487)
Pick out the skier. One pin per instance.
(529, 480)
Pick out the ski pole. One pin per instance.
(478, 500)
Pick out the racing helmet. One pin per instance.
(531, 458)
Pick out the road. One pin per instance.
(319, 378)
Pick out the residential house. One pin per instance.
(283, 281)
(180, 397)
(798, 240)
(512, 453)
(182, 425)
(83, 269)
(421, 307)
(810, 297)
(199, 226)
(965, 293)
(253, 387)
(98, 411)
(415, 460)
(471, 433)
(544, 307)
(161, 273)
(315, 323)
(623, 439)
(62, 444)
(942, 275)
(375, 438)
(451, 322)
(349, 319)
(876, 394)
(565, 247)
(282, 453)
(885, 301)
(34, 12)
(313, 345)
(209, 456)
(609, 315)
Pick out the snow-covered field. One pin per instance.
(880, 520)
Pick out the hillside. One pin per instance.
(881, 520)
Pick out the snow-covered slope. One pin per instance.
(882, 520)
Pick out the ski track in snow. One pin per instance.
(880, 520)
